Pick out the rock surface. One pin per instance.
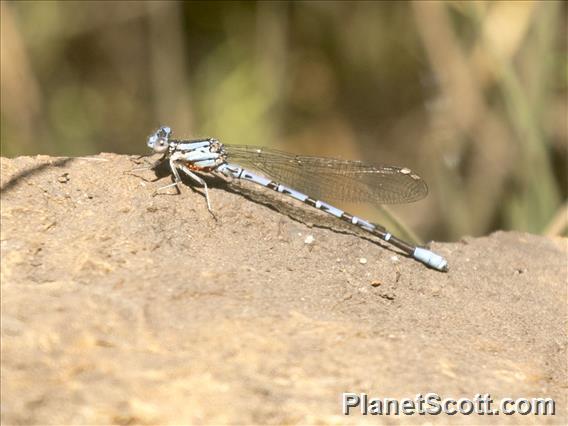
(120, 307)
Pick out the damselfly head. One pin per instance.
(159, 141)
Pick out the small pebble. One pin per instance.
(309, 239)
(394, 259)
(376, 283)
(64, 178)
(362, 261)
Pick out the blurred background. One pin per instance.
(471, 95)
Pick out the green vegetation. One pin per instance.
(471, 95)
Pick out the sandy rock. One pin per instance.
(123, 307)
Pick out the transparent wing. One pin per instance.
(332, 179)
